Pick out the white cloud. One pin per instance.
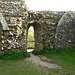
(54, 5)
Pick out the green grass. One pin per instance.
(64, 57)
(30, 45)
(30, 38)
(14, 55)
(30, 35)
(19, 67)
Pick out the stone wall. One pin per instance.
(15, 14)
(3, 22)
(45, 24)
(65, 34)
(15, 20)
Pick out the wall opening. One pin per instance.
(30, 39)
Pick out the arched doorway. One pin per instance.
(30, 39)
(37, 35)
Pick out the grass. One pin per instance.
(14, 55)
(30, 35)
(30, 38)
(64, 57)
(31, 45)
(15, 64)
(19, 67)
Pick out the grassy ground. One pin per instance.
(65, 58)
(18, 67)
(14, 63)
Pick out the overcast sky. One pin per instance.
(53, 5)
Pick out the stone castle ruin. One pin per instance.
(52, 29)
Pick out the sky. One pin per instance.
(52, 5)
(31, 28)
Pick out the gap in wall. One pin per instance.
(30, 39)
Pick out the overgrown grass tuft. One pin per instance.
(14, 55)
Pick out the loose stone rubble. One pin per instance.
(51, 29)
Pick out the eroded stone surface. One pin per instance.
(66, 31)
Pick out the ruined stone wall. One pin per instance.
(45, 24)
(13, 36)
(65, 33)
(51, 28)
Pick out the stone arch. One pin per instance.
(37, 35)
(65, 33)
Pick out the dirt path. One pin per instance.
(36, 60)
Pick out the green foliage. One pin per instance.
(39, 52)
(30, 35)
(30, 45)
(14, 55)
(44, 51)
(30, 38)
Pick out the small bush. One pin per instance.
(14, 55)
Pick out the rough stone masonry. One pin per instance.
(52, 29)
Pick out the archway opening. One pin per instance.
(30, 39)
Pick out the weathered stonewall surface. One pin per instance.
(45, 24)
(49, 27)
(65, 32)
(13, 16)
